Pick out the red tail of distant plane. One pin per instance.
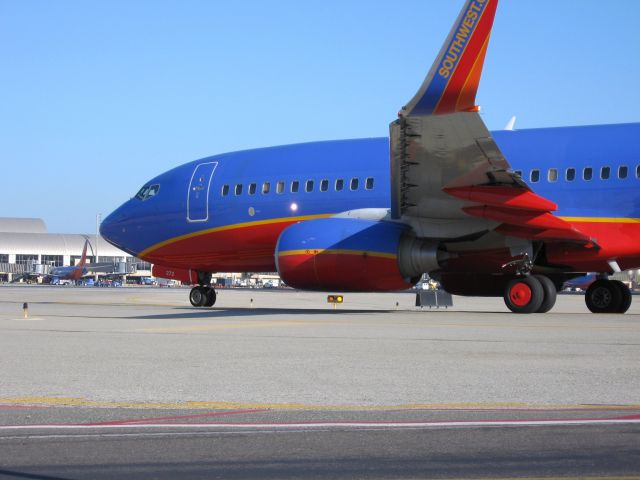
(83, 259)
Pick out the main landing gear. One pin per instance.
(537, 294)
(530, 294)
(203, 295)
(608, 296)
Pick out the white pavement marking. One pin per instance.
(339, 425)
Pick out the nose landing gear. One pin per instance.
(203, 295)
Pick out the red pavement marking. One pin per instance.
(635, 416)
(142, 421)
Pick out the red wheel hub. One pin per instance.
(520, 294)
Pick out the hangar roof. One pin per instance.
(22, 225)
(54, 244)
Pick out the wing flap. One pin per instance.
(571, 235)
(503, 196)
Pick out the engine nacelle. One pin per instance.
(350, 255)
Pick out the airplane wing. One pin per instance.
(446, 167)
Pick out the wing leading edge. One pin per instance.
(446, 167)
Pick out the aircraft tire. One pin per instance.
(524, 295)
(197, 296)
(550, 294)
(626, 296)
(210, 296)
(603, 296)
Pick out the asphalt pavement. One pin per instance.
(133, 382)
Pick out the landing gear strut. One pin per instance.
(203, 295)
(608, 296)
(530, 294)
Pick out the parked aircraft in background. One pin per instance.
(580, 283)
(512, 213)
(72, 272)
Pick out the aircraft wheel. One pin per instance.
(197, 296)
(550, 294)
(626, 296)
(524, 295)
(603, 296)
(210, 297)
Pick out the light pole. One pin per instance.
(96, 249)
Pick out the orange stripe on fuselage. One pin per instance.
(336, 251)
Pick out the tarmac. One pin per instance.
(137, 380)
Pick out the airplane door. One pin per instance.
(198, 196)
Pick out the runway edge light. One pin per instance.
(335, 298)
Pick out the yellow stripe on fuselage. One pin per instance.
(336, 251)
(232, 226)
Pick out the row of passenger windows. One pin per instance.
(295, 185)
(587, 173)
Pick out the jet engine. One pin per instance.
(353, 255)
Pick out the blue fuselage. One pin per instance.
(193, 198)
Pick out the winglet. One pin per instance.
(452, 82)
(511, 124)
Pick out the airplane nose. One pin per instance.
(113, 228)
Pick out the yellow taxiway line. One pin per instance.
(186, 405)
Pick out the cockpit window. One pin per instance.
(147, 192)
(143, 191)
(153, 191)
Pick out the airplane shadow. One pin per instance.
(252, 312)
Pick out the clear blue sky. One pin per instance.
(98, 97)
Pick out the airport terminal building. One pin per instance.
(28, 252)
(26, 247)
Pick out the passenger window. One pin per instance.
(605, 173)
(339, 184)
(623, 171)
(308, 187)
(295, 185)
(368, 184)
(238, 189)
(638, 171)
(225, 190)
(552, 175)
(354, 184)
(266, 186)
(587, 173)
(570, 174)
(252, 189)
(535, 175)
(279, 187)
(324, 185)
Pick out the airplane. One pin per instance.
(71, 272)
(509, 214)
(581, 283)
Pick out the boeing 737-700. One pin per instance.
(510, 214)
